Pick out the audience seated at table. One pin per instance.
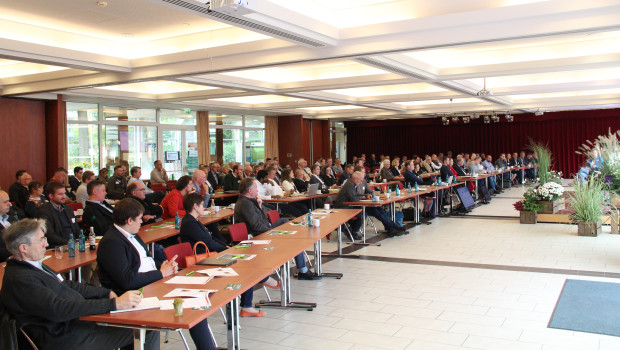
(248, 171)
(158, 174)
(60, 219)
(317, 179)
(488, 167)
(302, 164)
(248, 210)
(435, 163)
(152, 196)
(97, 212)
(36, 199)
(103, 175)
(81, 194)
(76, 179)
(117, 184)
(270, 188)
(173, 202)
(530, 161)
(386, 172)
(395, 168)
(410, 180)
(48, 306)
(444, 171)
(355, 190)
(18, 191)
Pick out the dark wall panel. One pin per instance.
(563, 131)
(22, 131)
(289, 138)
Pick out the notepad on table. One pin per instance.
(220, 272)
(281, 232)
(189, 293)
(238, 256)
(188, 280)
(145, 304)
(257, 242)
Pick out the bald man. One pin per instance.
(7, 217)
(203, 187)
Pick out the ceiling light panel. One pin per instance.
(608, 92)
(550, 78)
(10, 68)
(332, 108)
(261, 99)
(306, 72)
(439, 102)
(157, 87)
(400, 89)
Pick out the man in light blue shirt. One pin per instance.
(489, 167)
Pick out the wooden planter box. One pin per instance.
(528, 217)
(589, 228)
(550, 207)
(614, 199)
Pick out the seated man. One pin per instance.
(18, 191)
(59, 216)
(97, 212)
(6, 219)
(529, 161)
(214, 175)
(76, 179)
(248, 171)
(346, 174)
(249, 211)
(117, 184)
(444, 171)
(81, 194)
(60, 175)
(202, 187)
(125, 264)
(301, 184)
(152, 213)
(232, 180)
(173, 202)
(158, 174)
(151, 196)
(49, 306)
(350, 192)
(192, 231)
(488, 166)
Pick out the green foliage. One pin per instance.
(530, 201)
(543, 154)
(587, 200)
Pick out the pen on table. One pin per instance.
(189, 273)
(141, 290)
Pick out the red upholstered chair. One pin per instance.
(273, 216)
(75, 206)
(238, 232)
(171, 185)
(181, 250)
(158, 187)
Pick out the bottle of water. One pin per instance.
(81, 242)
(71, 246)
(388, 194)
(397, 191)
(416, 187)
(310, 223)
(409, 187)
(92, 241)
(177, 222)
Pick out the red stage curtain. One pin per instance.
(563, 131)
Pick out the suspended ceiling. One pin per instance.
(384, 59)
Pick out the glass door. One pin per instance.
(180, 152)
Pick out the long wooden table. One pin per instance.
(250, 273)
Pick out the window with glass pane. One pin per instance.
(129, 114)
(230, 120)
(231, 145)
(191, 146)
(255, 146)
(254, 121)
(83, 146)
(82, 111)
(131, 146)
(171, 142)
(177, 117)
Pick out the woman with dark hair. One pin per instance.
(35, 200)
(328, 176)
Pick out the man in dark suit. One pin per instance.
(60, 219)
(136, 190)
(97, 212)
(213, 176)
(7, 217)
(18, 191)
(48, 306)
(232, 180)
(348, 170)
(76, 179)
(125, 264)
(445, 171)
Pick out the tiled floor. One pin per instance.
(407, 305)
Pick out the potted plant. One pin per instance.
(587, 202)
(528, 207)
(549, 195)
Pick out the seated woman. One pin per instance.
(328, 176)
(193, 231)
(35, 200)
(395, 169)
(386, 172)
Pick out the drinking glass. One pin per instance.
(58, 252)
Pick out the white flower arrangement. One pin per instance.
(550, 191)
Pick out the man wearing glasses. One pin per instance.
(48, 307)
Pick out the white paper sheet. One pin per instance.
(220, 272)
(188, 280)
(257, 242)
(147, 303)
(189, 293)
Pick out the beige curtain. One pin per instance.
(202, 130)
(271, 137)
